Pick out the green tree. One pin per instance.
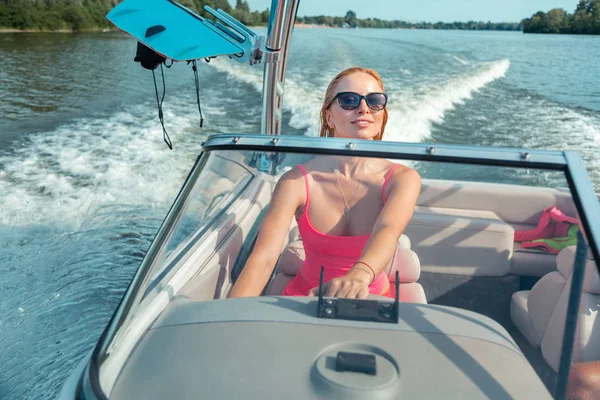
(75, 18)
(590, 5)
(595, 10)
(585, 20)
(242, 5)
(581, 6)
(350, 18)
(555, 20)
(264, 16)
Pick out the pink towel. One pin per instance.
(553, 223)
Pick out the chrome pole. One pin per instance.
(279, 32)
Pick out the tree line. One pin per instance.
(351, 21)
(82, 15)
(585, 20)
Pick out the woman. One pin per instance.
(350, 211)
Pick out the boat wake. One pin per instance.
(302, 101)
(411, 111)
(416, 110)
(59, 175)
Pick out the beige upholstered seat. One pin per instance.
(405, 261)
(540, 313)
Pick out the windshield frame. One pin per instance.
(570, 163)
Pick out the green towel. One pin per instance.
(557, 244)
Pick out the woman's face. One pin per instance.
(362, 122)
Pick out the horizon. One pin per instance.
(495, 11)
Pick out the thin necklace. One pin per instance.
(346, 203)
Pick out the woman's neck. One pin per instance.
(350, 167)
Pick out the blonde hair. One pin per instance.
(330, 94)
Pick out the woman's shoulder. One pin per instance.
(399, 173)
(291, 186)
(294, 176)
(396, 170)
(404, 180)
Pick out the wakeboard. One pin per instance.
(178, 33)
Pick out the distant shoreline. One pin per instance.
(10, 30)
(296, 25)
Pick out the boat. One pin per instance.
(476, 315)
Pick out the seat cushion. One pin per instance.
(565, 261)
(461, 242)
(279, 283)
(412, 293)
(409, 293)
(520, 317)
(553, 336)
(531, 262)
(542, 301)
(587, 344)
(406, 262)
(292, 258)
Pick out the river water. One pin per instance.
(85, 178)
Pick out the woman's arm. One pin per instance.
(584, 381)
(287, 197)
(403, 190)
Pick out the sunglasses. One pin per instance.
(350, 100)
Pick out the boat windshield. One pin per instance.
(483, 238)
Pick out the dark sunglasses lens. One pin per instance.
(349, 101)
(376, 101)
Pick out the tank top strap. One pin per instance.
(306, 185)
(387, 178)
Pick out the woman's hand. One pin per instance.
(353, 285)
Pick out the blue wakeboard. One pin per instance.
(176, 32)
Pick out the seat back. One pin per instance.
(587, 338)
(405, 261)
(545, 294)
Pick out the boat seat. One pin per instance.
(405, 261)
(540, 313)
(461, 241)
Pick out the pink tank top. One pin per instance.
(336, 253)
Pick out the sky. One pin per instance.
(427, 10)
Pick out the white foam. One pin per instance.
(553, 126)
(587, 126)
(411, 116)
(303, 101)
(252, 76)
(461, 60)
(61, 175)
